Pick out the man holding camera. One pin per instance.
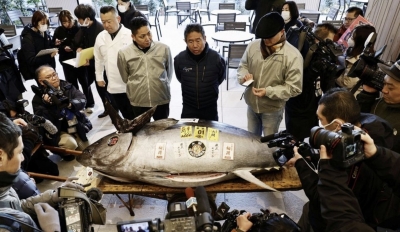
(39, 206)
(387, 106)
(61, 103)
(336, 107)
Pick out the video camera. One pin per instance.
(322, 58)
(57, 96)
(286, 143)
(366, 67)
(256, 218)
(78, 211)
(346, 145)
(178, 217)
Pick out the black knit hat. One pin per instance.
(269, 25)
(393, 71)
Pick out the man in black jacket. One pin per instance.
(200, 70)
(336, 107)
(72, 125)
(261, 8)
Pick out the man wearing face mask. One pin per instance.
(127, 11)
(108, 43)
(39, 206)
(35, 37)
(336, 107)
(277, 70)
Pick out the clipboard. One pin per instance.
(46, 51)
(81, 57)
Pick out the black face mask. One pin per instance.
(7, 179)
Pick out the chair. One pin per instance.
(235, 53)
(237, 26)
(206, 10)
(25, 20)
(332, 14)
(250, 22)
(56, 11)
(226, 6)
(144, 9)
(11, 37)
(311, 16)
(336, 23)
(185, 10)
(9, 30)
(14, 15)
(222, 18)
(301, 5)
(168, 9)
(157, 24)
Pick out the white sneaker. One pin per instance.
(89, 110)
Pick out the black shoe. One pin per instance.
(68, 157)
(102, 115)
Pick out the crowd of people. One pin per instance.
(133, 73)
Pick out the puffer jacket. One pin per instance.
(147, 75)
(200, 80)
(32, 43)
(281, 74)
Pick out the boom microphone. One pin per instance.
(49, 127)
(192, 201)
(204, 221)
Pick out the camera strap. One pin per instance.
(354, 174)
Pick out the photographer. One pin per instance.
(341, 209)
(388, 105)
(273, 224)
(10, 161)
(336, 107)
(63, 110)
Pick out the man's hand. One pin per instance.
(243, 222)
(259, 92)
(48, 217)
(296, 156)
(323, 154)
(369, 89)
(68, 49)
(248, 76)
(369, 145)
(20, 122)
(101, 83)
(54, 54)
(68, 183)
(79, 50)
(47, 99)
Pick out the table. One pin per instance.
(232, 36)
(216, 12)
(282, 180)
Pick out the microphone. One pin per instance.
(204, 221)
(49, 127)
(192, 201)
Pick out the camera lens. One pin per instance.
(320, 136)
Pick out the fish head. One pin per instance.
(106, 151)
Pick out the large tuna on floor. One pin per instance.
(176, 153)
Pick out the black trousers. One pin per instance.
(74, 75)
(121, 100)
(207, 113)
(162, 111)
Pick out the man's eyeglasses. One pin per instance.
(51, 76)
(348, 19)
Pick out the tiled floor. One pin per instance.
(231, 111)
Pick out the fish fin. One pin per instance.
(247, 175)
(126, 125)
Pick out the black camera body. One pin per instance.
(286, 142)
(345, 145)
(57, 95)
(33, 119)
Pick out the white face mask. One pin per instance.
(85, 23)
(121, 8)
(350, 42)
(286, 15)
(43, 28)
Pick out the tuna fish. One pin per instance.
(178, 153)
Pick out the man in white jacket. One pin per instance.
(114, 37)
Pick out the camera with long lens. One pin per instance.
(257, 219)
(286, 142)
(33, 119)
(345, 145)
(57, 95)
(178, 218)
(79, 211)
(366, 67)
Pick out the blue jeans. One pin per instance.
(268, 123)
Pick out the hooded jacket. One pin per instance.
(32, 43)
(147, 75)
(281, 74)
